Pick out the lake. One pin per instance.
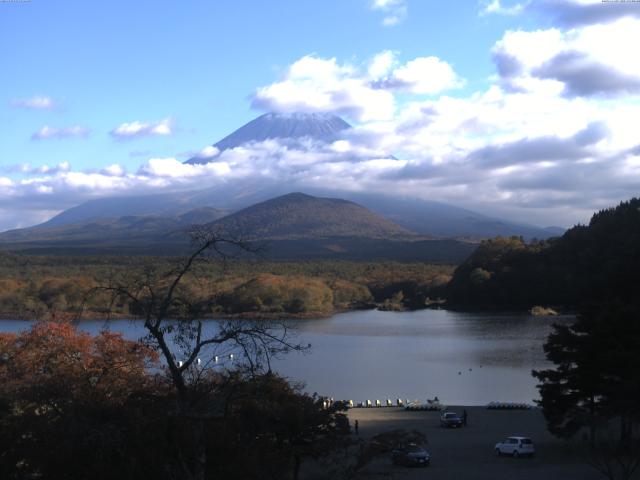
(463, 358)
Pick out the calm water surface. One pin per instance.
(463, 358)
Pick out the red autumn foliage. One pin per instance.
(55, 364)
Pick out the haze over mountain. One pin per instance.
(422, 217)
(168, 204)
(101, 230)
(293, 226)
(443, 220)
(417, 215)
(318, 126)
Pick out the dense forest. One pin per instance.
(53, 286)
(589, 263)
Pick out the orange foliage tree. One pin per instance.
(58, 386)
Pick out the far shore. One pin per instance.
(72, 316)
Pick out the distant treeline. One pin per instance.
(588, 264)
(46, 286)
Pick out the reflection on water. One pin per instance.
(463, 358)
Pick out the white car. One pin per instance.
(515, 446)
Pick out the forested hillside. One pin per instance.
(591, 263)
(42, 287)
(297, 215)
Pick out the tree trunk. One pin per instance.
(625, 430)
(195, 466)
(199, 450)
(592, 421)
(297, 461)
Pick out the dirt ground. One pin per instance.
(468, 453)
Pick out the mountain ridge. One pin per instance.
(295, 226)
(297, 215)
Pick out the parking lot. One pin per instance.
(467, 453)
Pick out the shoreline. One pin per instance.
(73, 317)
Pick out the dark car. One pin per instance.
(411, 455)
(450, 420)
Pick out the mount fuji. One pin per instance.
(151, 218)
(317, 126)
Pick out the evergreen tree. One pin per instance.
(596, 379)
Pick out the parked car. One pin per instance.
(411, 455)
(450, 420)
(515, 446)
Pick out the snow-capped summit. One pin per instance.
(319, 126)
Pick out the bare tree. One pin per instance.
(189, 347)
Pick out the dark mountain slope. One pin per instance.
(297, 215)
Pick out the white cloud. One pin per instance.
(549, 154)
(37, 102)
(382, 64)
(382, 4)
(395, 11)
(113, 170)
(566, 13)
(172, 168)
(577, 13)
(425, 75)
(546, 142)
(314, 84)
(47, 132)
(593, 60)
(137, 129)
(27, 169)
(496, 7)
(208, 152)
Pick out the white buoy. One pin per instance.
(180, 363)
(199, 362)
(231, 356)
(215, 359)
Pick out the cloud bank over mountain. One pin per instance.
(550, 138)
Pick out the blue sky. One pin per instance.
(194, 62)
(100, 89)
